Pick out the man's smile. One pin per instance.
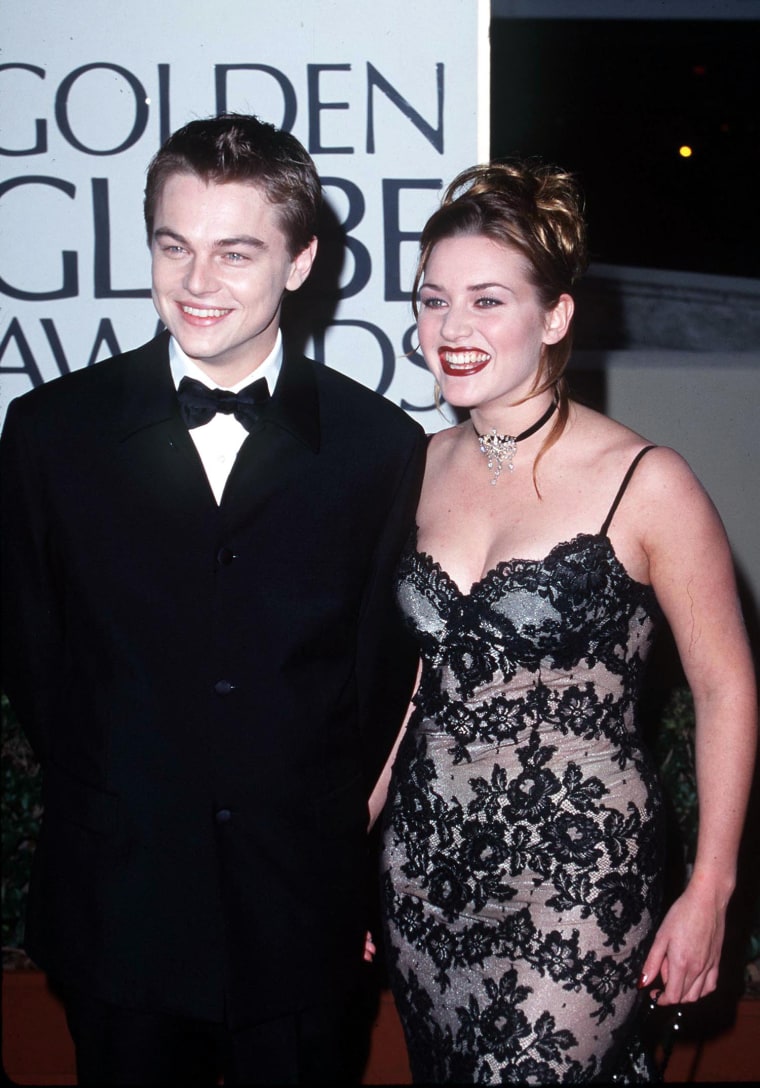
(197, 311)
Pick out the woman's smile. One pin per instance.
(462, 361)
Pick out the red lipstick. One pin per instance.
(462, 362)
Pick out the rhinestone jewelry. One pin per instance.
(499, 449)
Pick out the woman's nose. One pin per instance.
(456, 323)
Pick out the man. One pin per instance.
(203, 646)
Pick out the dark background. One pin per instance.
(613, 100)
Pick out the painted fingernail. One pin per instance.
(643, 979)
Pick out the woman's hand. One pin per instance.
(685, 954)
(369, 948)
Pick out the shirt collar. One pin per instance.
(183, 367)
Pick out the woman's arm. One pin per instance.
(380, 792)
(692, 573)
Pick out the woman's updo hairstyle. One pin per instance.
(536, 209)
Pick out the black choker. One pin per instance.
(501, 448)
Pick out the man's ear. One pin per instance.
(558, 319)
(301, 267)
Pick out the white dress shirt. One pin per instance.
(218, 441)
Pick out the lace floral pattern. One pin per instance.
(522, 856)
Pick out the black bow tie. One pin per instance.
(199, 404)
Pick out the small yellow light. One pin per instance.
(685, 152)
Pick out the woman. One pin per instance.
(522, 844)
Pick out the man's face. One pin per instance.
(220, 268)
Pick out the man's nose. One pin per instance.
(200, 276)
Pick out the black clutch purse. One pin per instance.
(646, 1053)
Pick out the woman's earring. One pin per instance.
(437, 396)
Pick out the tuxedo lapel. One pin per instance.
(161, 455)
(275, 449)
(159, 452)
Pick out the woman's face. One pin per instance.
(481, 325)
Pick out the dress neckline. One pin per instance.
(516, 561)
(504, 564)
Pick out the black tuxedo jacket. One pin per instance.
(211, 689)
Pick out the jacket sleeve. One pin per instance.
(32, 657)
(386, 653)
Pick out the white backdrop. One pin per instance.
(390, 98)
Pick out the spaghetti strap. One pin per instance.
(622, 488)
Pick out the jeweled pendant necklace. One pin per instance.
(500, 449)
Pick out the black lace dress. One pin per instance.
(522, 860)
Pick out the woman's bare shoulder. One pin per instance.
(602, 439)
(600, 432)
(601, 451)
(443, 443)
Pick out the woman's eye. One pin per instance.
(432, 303)
(486, 302)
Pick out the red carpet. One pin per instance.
(37, 1049)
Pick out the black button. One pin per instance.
(223, 816)
(225, 556)
(224, 687)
